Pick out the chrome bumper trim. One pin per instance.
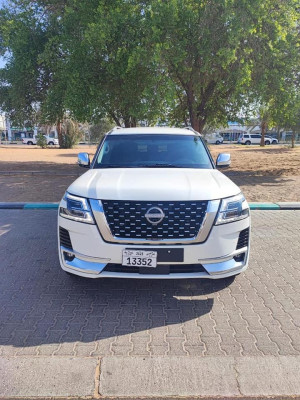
(224, 258)
(83, 256)
(81, 263)
(94, 268)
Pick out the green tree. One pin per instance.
(192, 62)
(111, 68)
(98, 130)
(32, 85)
(214, 51)
(22, 39)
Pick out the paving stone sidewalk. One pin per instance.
(44, 312)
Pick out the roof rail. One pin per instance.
(114, 129)
(189, 128)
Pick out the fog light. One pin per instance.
(239, 257)
(68, 256)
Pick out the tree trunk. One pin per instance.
(263, 131)
(59, 132)
(130, 122)
(191, 104)
(127, 122)
(115, 118)
(293, 139)
(195, 122)
(197, 119)
(202, 122)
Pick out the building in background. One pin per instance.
(10, 132)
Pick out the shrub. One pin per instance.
(71, 134)
(41, 141)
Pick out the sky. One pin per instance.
(2, 63)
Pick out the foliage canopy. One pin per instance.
(192, 62)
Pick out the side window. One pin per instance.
(246, 136)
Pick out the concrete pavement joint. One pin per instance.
(97, 394)
(237, 375)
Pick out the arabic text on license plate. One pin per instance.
(139, 258)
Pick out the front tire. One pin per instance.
(218, 142)
(248, 142)
(29, 143)
(50, 144)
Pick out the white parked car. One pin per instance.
(255, 138)
(50, 140)
(271, 140)
(153, 205)
(214, 138)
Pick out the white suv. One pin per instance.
(50, 140)
(255, 138)
(153, 205)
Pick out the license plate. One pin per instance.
(139, 258)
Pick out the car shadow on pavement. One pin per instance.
(85, 310)
(40, 304)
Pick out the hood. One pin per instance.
(161, 184)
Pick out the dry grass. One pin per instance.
(271, 173)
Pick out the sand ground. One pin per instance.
(28, 173)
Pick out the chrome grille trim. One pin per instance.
(201, 236)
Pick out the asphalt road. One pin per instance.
(44, 312)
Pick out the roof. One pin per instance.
(152, 130)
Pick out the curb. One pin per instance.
(168, 378)
(28, 206)
(51, 206)
(39, 173)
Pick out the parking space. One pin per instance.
(43, 311)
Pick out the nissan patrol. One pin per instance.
(153, 204)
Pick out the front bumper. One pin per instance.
(217, 257)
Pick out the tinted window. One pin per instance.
(246, 136)
(153, 151)
(256, 136)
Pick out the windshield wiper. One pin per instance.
(157, 166)
(138, 166)
(114, 166)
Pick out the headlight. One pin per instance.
(76, 208)
(233, 209)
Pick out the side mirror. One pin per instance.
(83, 160)
(223, 160)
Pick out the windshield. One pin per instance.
(153, 151)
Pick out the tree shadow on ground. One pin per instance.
(39, 167)
(258, 176)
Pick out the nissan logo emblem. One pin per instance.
(154, 215)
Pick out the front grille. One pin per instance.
(159, 270)
(243, 239)
(64, 238)
(182, 219)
